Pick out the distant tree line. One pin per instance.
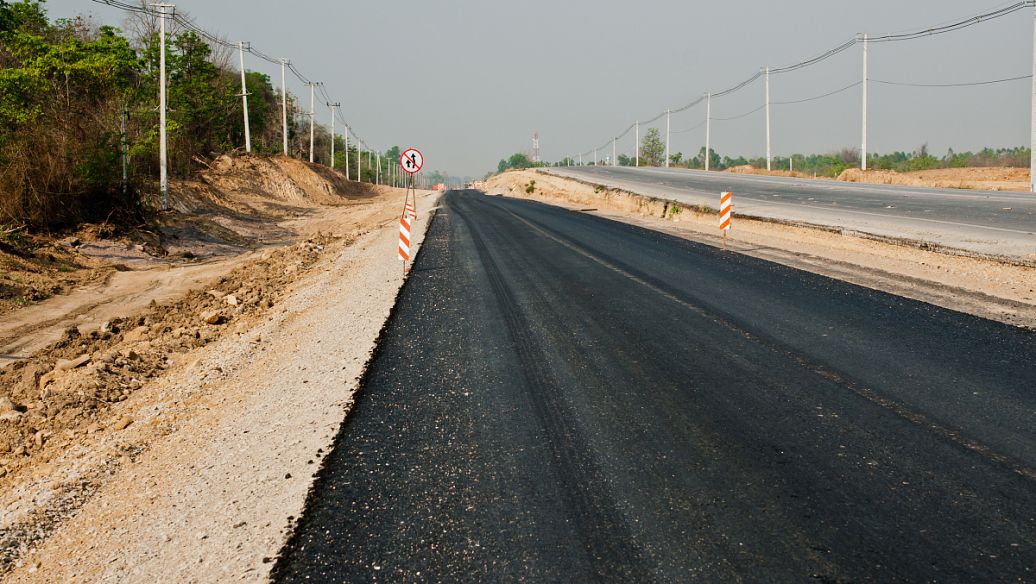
(652, 153)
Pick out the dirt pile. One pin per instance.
(261, 186)
(532, 184)
(987, 179)
(749, 169)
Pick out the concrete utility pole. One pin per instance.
(667, 127)
(637, 138)
(333, 106)
(312, 117)
(863, 145)
(708, 128)
(284, 106)
(244, 97)
(595, 158)
(347, 152)
(163, 149)
(768, 157)
(615, 159)
(1032, 142)
(359, 164)
(377, 176)
(125, 152)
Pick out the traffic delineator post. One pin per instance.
(411, 211)
(404, 240)
(726, 204)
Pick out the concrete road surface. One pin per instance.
(562, 398)
(987, 222)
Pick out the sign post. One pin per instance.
(411, 161)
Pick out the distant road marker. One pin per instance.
(726, 204)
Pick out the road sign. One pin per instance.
(411, 160)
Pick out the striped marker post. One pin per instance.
(404, 241)
(726, 204)
(411, 211)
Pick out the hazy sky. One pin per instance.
(469, 81)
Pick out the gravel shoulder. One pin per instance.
(988, 287)
(198, 474)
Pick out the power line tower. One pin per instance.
(536, 147)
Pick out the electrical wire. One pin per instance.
(829, 94)
(968, 84)
(691, 129)
(738, 117)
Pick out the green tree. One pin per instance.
(652, 150)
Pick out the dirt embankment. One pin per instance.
(986, 179)
(235, 205)
(979, 178)
(75, 412)
(986, 287)
(239, 205)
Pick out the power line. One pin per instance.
(952, 26)
(738, 117)
(189, 24)
(829, 94)
(967, 84)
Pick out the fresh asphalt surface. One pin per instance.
(559, 397)
(990, 222)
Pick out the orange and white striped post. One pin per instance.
(726, 204)
(404, 240)
(411, 211)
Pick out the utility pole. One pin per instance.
(768, 156)
(1032, 142)
(125, 152)
(333, 107)
(244, 97)
(377, 176)
(595, 157)
(863, 146)
(708, 128)
(284, 106)
(163, 149)
(667, 128)
(359, 163)
(580, 159)
(637, 144)
(312, 118)
(615, 160)
(346, 152)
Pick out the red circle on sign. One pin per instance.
(407, 162)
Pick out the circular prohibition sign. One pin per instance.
(411, 160)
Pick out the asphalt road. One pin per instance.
(559, 397)
(989, 222)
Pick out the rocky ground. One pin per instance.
(988, 287)
(183, 407)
